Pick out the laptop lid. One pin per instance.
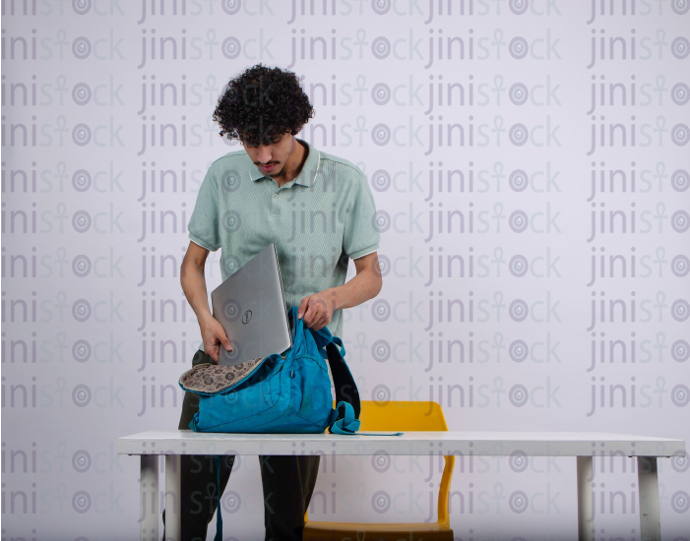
(250, 306)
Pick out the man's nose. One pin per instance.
(264, 155)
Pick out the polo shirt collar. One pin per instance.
(306, 175)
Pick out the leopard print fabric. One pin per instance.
(211, 377)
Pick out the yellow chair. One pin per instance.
(404, 417)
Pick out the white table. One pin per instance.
(581, 445)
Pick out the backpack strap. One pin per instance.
(345, 386)
(219, 517)
(345, 417)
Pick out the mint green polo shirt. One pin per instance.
(317, 221)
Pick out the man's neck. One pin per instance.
(301, 152)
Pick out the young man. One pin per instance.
(319, 211)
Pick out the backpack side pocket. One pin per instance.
(317, 399)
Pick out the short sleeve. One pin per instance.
(204, 225)
(361, 235)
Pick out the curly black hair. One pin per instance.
(262, 104)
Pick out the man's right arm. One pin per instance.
(193, 281)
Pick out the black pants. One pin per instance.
(288, 484)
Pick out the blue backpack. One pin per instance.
(286, 393)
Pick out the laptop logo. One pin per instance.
(246, 317)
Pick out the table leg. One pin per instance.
(173, 526)
(648, 480)
(148, 494)
(585, 515)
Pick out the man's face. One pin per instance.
(275, 154)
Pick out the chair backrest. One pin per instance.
(403, 416)
(410, 416)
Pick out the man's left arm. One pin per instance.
(360, 235)
(362, 287)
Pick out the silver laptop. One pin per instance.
(250, 306)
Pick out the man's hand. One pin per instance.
(317, 310)
(213, 335)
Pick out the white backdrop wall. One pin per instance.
(529, 163)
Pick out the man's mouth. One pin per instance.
(267, 167)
